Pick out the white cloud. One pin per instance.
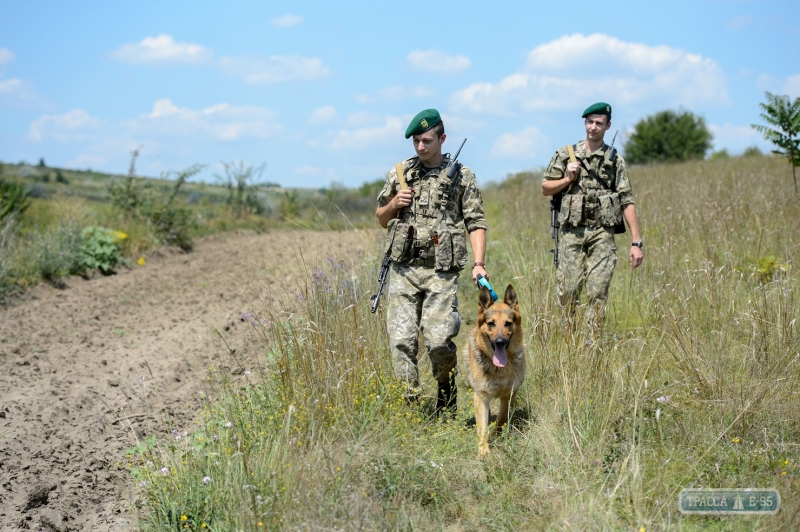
(392, 128)
(792, 86)
(525, 144)
(286, 21)
(323, 114)
(736, 138)
(274, 69)
(74, 125)
(564, 73)
(6, 56)
(162, 49)
(218, 122)
(15, 90)
(437, 62)
(394, 94)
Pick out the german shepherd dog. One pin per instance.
(496, 359)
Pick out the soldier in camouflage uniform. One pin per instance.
(596, 196)
(427, 223)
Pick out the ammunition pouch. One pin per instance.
(399, 241)
(592, 211)
(451, 249)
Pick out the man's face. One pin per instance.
(428, 145)
(596, 127)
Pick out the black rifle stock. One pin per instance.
(452, 169)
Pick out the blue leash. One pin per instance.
(482, 281)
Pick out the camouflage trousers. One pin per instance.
(421, 299)
(587, 257)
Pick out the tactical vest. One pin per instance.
(592, 200)
(426, 233)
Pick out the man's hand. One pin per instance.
(478, 270)
(573, 169)
(635, 257)
(402, 199)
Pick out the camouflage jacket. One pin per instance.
(614, 174)
(463, 209)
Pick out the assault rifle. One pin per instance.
(381, 282)
(452, 170)
(555, 211)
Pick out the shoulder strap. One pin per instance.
(400, 177)
(571, 150)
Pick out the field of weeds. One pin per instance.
(694, 384)
(46, 232)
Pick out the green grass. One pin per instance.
(694, 384)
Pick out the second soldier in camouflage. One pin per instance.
(427, 241)
(596, 196)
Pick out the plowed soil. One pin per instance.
(91, 367)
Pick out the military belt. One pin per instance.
(423, 256)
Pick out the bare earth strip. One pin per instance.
(87, 369)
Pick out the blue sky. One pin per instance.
(323, 91)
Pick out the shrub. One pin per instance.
(169, 218)
(668, 136)
(783, 115)
(100, 249)
(752, 151)
(14, 199)
(59, 252)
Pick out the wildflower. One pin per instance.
(164, 471)
(203, 525)
(143, 484)
(736, 440)
(247, 316)
(664, 399)
(206, 480)
(140, 261)
(267, 324)
(184, 518)
(229, 424)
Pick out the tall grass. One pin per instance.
(694, 384)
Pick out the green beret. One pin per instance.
(423, 122)
(600, 108)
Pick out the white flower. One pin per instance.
(229, 424)
(206, 480)
(164, 471)
(664, 399)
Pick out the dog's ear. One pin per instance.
(485, 298)
(510, 298)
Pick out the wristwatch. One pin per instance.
(638, 244)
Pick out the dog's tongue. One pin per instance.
(500, 359)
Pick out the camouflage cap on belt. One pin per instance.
(423, 122)
(599, 108)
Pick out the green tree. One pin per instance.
(668, 136)
(783, 115)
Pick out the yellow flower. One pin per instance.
(119, 235)
(260, 523)
(203, 525)
(140, 261)
(735, 440)
(184, 518)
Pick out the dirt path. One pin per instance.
(81, 368)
